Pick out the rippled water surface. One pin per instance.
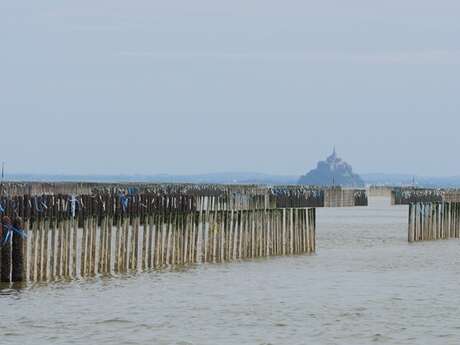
(365, 285)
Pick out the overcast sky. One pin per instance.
(198, 86)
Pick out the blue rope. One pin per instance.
(36, 205)
(132, 191)
(124, 202)
(10, 230)
(40, 207)
(6, 238)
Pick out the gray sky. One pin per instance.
(243, 85)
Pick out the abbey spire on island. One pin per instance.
(332, 172)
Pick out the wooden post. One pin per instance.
(117, 230)
(53, 250)
(18, 273)
(410, 228)
(145, 233)
(150, 246)
(83, 249)
(284, 240)
(40, 250)
(314, 229)
(197, 246)
(33, 251)
(101, 252)
(74, 247)
(158, 240)
(5, 273)
(125, 244)
(93, 245)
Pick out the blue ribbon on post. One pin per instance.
(38, 209)
(40, 205)
(10, 230)
(124, 202)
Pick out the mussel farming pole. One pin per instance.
(430, 221)
(63, 236)
(6, 249)
(18, 273)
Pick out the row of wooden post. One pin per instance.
(433, 221)
(106, 245)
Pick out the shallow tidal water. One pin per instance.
(365, 285)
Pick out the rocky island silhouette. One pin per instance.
(334, 171)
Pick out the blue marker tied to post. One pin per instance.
(10, 230)
(124, 202)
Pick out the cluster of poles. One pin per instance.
(434, 214)
(133, 244)
(433, 221)
(406, 196)
(49, 237)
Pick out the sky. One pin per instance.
(185, 87)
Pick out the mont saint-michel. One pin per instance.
(332, 171)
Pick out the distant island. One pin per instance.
(332, 171)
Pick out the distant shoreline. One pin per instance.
(234, 178)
